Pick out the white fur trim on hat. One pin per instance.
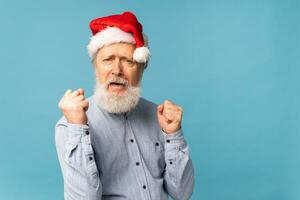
(115, 35)
(106, 37)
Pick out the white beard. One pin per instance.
(116, 103)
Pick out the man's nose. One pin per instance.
(117, 68)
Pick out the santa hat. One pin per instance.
(119, 28)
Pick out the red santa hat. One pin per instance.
(119, 28)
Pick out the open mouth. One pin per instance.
(116, 84)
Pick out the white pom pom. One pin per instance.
(141, 54)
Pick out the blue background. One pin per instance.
(232, 65)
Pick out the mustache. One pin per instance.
(116, 79)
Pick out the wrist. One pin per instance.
(77, 121)
(172, 131)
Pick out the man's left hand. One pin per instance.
(169, 117)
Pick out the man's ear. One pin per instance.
(145, 65)
(142, 66)
(94, 62)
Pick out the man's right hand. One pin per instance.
(74, 105)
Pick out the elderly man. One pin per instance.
(116, 144)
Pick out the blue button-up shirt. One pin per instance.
(123, 156)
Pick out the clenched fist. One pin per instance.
(169, 117)
(74, 105)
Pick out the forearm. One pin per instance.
(76, 157)
(179, 173)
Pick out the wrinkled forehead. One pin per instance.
(121, 49)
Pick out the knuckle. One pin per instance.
(61, 104)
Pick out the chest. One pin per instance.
(120, 143)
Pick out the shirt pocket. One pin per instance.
(155, 158)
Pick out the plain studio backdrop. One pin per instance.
(232, 65)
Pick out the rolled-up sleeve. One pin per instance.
(179, 172)
(76, 158)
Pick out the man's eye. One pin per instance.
(129, 61)
(107, 59)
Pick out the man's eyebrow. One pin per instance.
(126, 57)
(108, 56)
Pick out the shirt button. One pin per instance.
(157, 144)
(144, 186)
(90, 158)
(168, 141)
(137, 163)
(131, 140)
(87, 132)
(171, 163)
